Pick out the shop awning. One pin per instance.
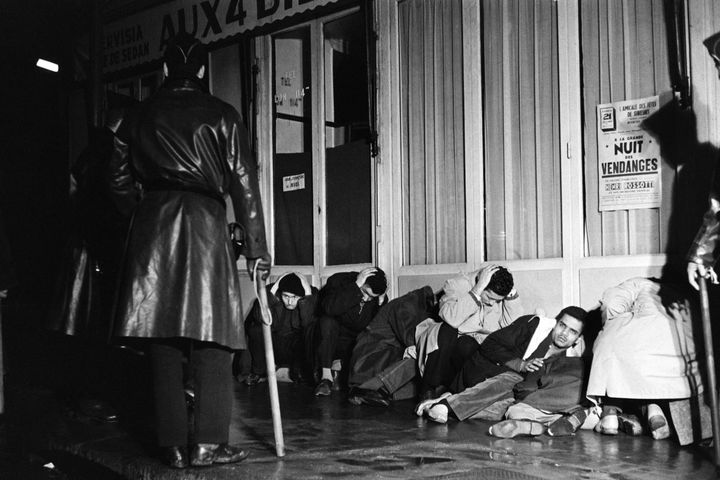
(142, 37)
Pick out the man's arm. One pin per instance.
(702, 255)
(306, 307)
(457, 304)
(340, 294)
(121, 184)
(245, 195)
(504, 347)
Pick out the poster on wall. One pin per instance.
(628, 156)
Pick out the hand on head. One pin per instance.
(364, 275)
(484, 277)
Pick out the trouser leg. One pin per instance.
(212, 371)
(523, 411)
(438, 367)
(256, 347)
(478, 397)
(327, 332)
(170, 410)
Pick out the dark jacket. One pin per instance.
(500, 352)
(341, 299)
(284, 321)
(392, 330)
(188, 150)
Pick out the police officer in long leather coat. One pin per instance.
(187, 151)
(704, 250)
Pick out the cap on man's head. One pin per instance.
(712, 43)
(184, 55)
(290, 283)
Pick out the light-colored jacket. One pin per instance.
(459, 309)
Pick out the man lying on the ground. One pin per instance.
(472, 306)
(378, 371)
(484, 386)
(291, 301)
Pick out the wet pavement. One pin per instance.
(327, 438)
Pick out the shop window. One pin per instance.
(321, 171)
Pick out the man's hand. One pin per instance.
(306, 285)
(696, 270)
(484, 277)
(532, 365)
(262, 264)
(364, 275)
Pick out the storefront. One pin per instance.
(489, 143)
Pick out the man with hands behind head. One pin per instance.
(347, 304)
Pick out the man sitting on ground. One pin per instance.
(472, 306)
(484, 386)
(291, 301)
(380, 368)
(347, 304)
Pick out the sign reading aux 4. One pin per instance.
(142, 37)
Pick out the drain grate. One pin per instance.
(492, 473)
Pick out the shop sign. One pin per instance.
(142, 37)
(294, 182)
(629, 163)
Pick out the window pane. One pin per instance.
(432, 129)
(624, 57)
(292, 166)
(347, 155)
(522, 129)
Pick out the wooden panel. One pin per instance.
(624, 57)
(494, 145)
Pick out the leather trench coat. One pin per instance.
(187, 151)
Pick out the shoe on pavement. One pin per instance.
(568, 424)
(438, 413)
(253, 379)
(514, 428)
(630, 424)
(359, 396)
(608, 425)
(206, 454)
(282, 375)
(324, 388)
(174, 457)
(659, 428)
(425, 404)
